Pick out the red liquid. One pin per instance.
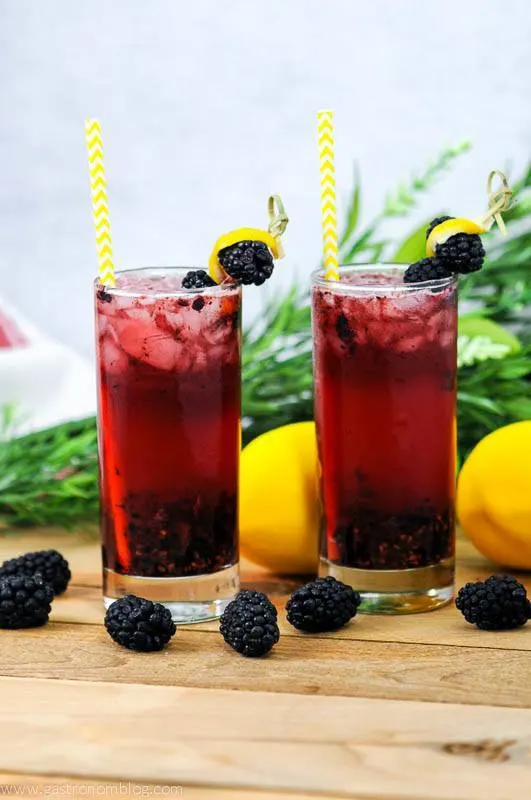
(169, 422)
(385, 369)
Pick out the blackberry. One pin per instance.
(139, 624)
(49, 564)
(427, 269)
(249, 624)
(325, 604)
(437, 221)
(499, 603)
(24, 601)
(462, 252)
(251, 596)
(247, 262)
(104, 296)
(197, 279)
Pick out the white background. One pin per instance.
(209, 105)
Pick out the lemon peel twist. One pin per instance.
(278, 221)
(499, 200)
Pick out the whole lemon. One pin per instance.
(494, 496)
(279, 506)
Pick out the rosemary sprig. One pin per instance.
(50, 477)
(371, 242)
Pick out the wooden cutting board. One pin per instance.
(422, 706)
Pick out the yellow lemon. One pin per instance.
(279, 506)
(215, 270)
(442, 232)
(494, 496)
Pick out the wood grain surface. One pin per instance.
(172, 735)
(421, 706)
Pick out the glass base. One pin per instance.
(190, 599)
(400, 591)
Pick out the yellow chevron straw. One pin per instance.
(100, 210)
(325, 134)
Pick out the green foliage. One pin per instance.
(491, 393)
(413, 248)
(371, 244)
(479, 348)
(51, 477)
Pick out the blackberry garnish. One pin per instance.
(247, 262)
(197, 279)
(24, 601)
(462, 252)
(499, 603)
(104, 296)
(249, 624)
(437, 221)
(325, 604)
(427, 269)
(139, 624)
(49, 564)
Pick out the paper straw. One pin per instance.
(100, 210)
(325, 133)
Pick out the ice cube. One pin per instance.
(435, 325)
(146, 342)
(102, 324)
(138, 312)
(220, 330)
(112, 357)
(192, 322)
(161, 351)
(447, 338)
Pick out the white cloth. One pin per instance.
(46, 381)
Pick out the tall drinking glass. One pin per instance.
(385, 389)
(169, 440)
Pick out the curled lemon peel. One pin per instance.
(499, 200)
(442, 232)
(278, 221)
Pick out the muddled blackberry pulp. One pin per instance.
(385, 409)
(372, 539)
(174, 539)
(169, 409)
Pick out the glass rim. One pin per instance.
(318, 279)
(219, 288)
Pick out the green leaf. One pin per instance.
(359, 246)
(519, 407)
(478, 348)
(473, 325)
(353, 211)
(399, 202)
(413, 248)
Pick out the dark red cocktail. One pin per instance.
(169, 427)
(385, 376)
